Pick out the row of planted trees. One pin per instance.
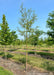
(28, 17)
(31, 35)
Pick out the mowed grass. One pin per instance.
(34, 61)
(5, 72)
(29, 47)
(41, 63)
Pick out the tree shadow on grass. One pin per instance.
(46, 55)
(7, 56)
(31, 52)
(23, 60)
(11, 50)
(45, 50)
(2, 53)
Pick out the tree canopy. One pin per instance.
(50, 25)
(6, 36)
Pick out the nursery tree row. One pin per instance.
(31, 35)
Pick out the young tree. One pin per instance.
(50, 25)
(27, 19)
(5, 32)
(6, 37)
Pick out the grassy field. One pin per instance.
(35, 57)
(29, 47)
(5, 72)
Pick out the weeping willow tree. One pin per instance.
(26, 21)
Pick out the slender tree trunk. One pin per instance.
(5, 53)
(2, 48)
(26, 51)
(29, 37)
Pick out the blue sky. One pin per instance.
(11, 9)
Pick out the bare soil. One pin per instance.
(17, 69)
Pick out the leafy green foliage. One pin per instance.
(34, 37)
(33, 40)
(5, 32)
(27, 19)
(13, 37)
(50, 24)
(6, 37)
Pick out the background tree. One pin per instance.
(41, 41)
(13, 37)
(50, 25)
(34, 38)
(5, 32)
(49, 41)
(18, 42)
(6, 37)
